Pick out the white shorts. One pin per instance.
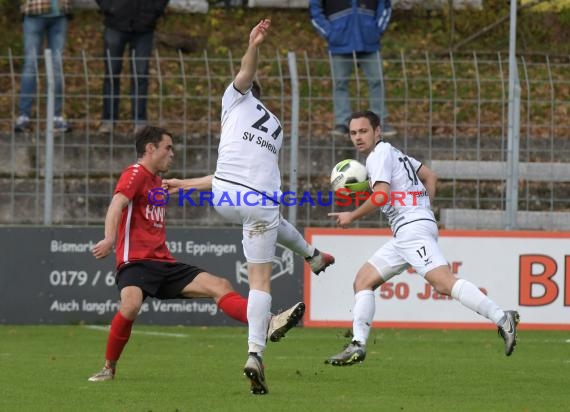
(260, 221)
(415, 246)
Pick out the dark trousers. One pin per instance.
(140, 48)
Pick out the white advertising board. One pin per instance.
(526, 271)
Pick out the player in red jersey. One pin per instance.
(135, 221)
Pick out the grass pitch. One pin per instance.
(45, 368)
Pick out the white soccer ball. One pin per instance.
(349, 174)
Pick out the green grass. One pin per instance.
(46, 368)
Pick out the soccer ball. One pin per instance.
(349, 174)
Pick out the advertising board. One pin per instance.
(49, 276)
(526, 271)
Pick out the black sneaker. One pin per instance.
(22, 124)
(61, 125)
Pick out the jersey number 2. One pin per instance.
(259, 124)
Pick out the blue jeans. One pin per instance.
(140, 48)
(35, 28)
(342, 66)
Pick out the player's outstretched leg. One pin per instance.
(508, 331)
(319, 261)
(253, 369)
(355, 352)
(280, 324)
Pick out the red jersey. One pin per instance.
(142, 233)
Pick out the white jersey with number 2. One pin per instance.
(408, 199)
(250, 141)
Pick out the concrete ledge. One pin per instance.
(496, 219)
(489, 170)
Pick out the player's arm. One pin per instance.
(344, 219)
(246, 74)
(197, 183)
(112, 219)
(429, 179)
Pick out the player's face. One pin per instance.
(163, 154)
(363, 135)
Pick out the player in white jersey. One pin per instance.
(408, 187)
(247, 165)
(409, 200)
(248, 157)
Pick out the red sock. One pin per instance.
(234, 305)
(118, 337)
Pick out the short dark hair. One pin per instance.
(148, 134)
(371, 116)
(256, 89)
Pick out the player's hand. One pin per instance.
(172, 185)
(343, 219)
(259, 32)
(102, 248)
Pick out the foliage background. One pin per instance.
(416, 30)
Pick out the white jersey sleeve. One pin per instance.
(381, 168)
(408, 200)
(250, 142)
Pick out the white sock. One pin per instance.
(363, 312)
(258, 308)
(289, 236)
(471, 297)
